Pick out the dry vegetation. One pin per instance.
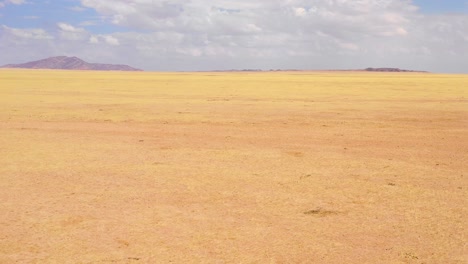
(113, 167)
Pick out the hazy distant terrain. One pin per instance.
(70, 63)
(74, 63)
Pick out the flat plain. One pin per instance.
(270, 167)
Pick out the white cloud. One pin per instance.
(22, 44)
(69, 32)
(14, 2)
(300, 11)
(111, 40)
(69, 28)
(24, 34)
(338, 17)
(401, 31)
(93, 40)
(108, 39)
(349, 46)
(225, 34)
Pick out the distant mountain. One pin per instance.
(70, 63)
(388, 70)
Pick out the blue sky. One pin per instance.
(442, 6)
(48, 13)
(203, 35)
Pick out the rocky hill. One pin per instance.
(388, 70)
(70, 63)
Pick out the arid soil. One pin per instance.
(279, 167)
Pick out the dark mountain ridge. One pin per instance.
(389, 70)
(70, 63)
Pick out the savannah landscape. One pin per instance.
(230, 167)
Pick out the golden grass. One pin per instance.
(291, 167)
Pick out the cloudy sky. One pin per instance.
(181, 35)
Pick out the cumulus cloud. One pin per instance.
(14, 2)
(111, 40)
(300, 11)
(93, 40)
(225, 34)
(25, 34)
(108, 39)
(69, 28)
(246, 28)
(69, 32)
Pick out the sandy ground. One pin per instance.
(233, 167)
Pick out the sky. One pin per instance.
(199, 35)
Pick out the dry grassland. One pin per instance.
(303, 167)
